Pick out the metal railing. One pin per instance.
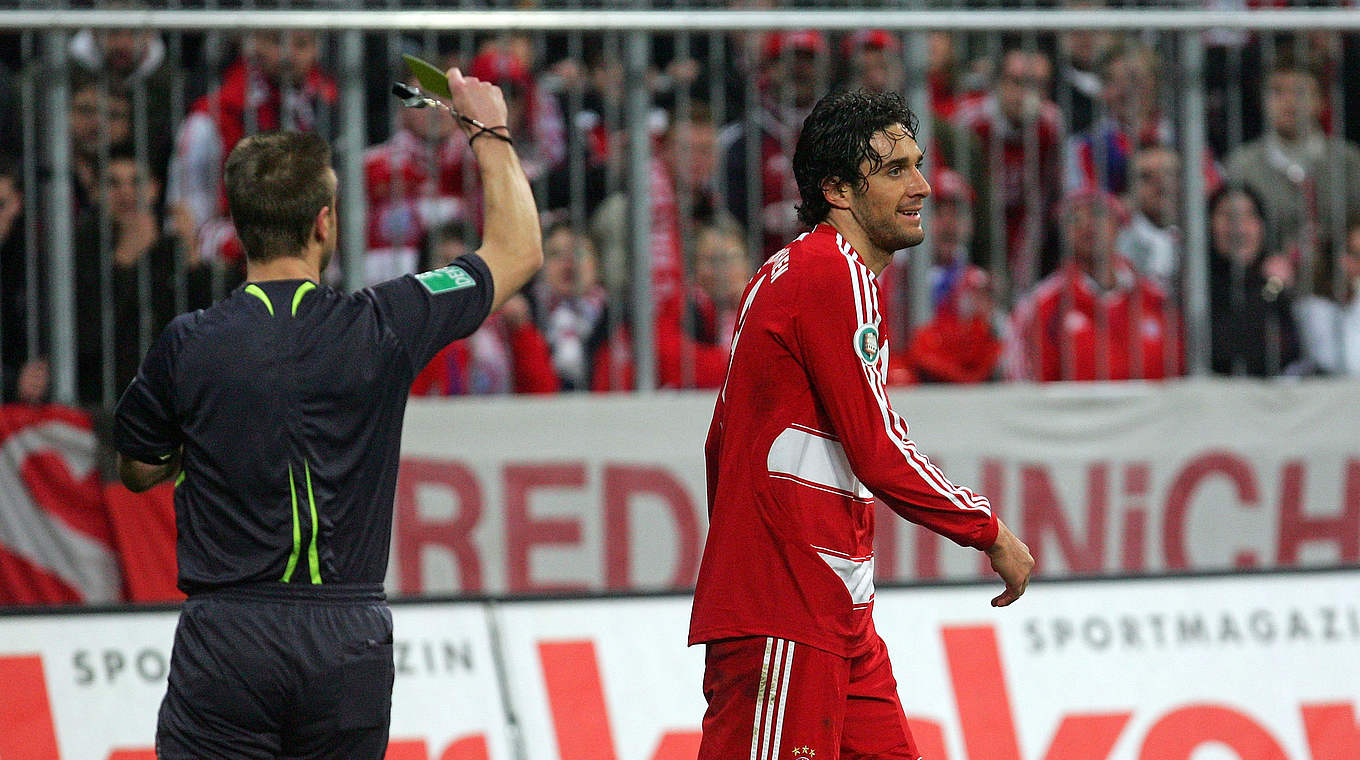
(631, 33)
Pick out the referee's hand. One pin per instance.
(1012, 561)
(478, 100)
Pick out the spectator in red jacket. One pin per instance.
(507, 354)
(960, 344)
(1096, 318)
(693, 352)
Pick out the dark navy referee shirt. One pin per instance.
(287, 399)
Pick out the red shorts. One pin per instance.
(771, 699)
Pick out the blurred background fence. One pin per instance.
(1079, 155)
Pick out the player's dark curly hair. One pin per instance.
(835, 141)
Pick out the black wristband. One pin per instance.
(492, 131)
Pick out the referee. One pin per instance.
(278, 413)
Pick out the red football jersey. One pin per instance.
(803, 438)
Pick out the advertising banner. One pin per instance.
(607, 493)
(88, 686)
(1247, 667)
(1235, 668)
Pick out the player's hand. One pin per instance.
(1011, 560)
(478, 100)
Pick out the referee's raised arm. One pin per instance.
(512, 246)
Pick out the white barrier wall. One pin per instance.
(1248, 667)
(87, 687)
(588, 493)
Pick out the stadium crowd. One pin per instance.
(1055, 227)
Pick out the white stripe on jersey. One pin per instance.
(814, 459)
(856, 574)
(736, 335)
(867, 313)
(816, 487)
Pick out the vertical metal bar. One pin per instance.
(178, 81)
(1196, 236)
(578, 143)
(917, 53)
(684, 205)
(753, 135)
(639, 212)
(35, 305)
(100, 208)
(350, 158)
(61, 290)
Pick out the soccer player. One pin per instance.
(279, 413)
(803, 438)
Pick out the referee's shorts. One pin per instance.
(279, 671)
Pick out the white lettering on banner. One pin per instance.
(1258, 627)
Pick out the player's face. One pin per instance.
(889, 209)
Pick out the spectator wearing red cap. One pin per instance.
(1096, 318)
(1020, 131)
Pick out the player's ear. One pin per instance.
(323, 226)
(836, 192)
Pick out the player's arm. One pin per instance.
(139, 476)
(1012, 561)
(145, 431)
(512, 245)
(846, 369)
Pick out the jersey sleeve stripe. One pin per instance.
(893, 423)
(904, 437)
